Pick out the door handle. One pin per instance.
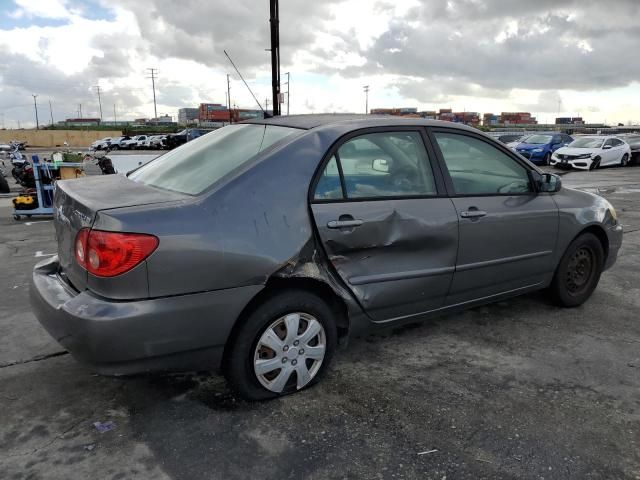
(471, 213)
(344, 223)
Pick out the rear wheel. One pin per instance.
(579, 271)
(285, 345)
(625, 160)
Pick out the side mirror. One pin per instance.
(549, 182)
(607, 147)
(380, 165)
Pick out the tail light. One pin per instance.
(107, 254)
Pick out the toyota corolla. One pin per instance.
(255, 248)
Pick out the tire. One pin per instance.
(595, 164)
(578, 272)
(4, 185)
(547, 159)
(246, 348)
(624, 161)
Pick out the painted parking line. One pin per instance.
(40, 254)
(39, 221)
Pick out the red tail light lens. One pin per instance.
(107, 254)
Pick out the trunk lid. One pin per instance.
(76, 203)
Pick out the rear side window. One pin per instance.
(377, 165)
(198, 164)
(478, 168)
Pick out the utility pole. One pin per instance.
(274, 20)
(153, 74)
(366, 101)
(80, 110)
(51, 112)
(35, 105)
(115, 118)
(229, 99)
(288, 82)
(97, 87)
(266, 103)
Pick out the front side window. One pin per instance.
(387, 164)
(478, 168)
(198, 164)
(329, 186)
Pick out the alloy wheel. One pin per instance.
(290, 352)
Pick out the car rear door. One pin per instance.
(385, 222)
(507, 231)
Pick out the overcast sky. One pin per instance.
(579, 57)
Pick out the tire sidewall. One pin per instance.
(562, 296)
(238, 366)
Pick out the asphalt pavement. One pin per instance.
(518, 389)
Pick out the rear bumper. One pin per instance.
(186, 332)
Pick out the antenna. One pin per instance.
(266, 115)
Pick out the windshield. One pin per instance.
(537, 139)
(587, 143)
(198, 164)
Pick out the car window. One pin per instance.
(198, 164)
(556, 139)
(478, 168)
(616, 142)
(389, 164)
(328, 186)
(609, 141)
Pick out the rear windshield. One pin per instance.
(198, 164)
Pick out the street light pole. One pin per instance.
(366, 101)
(153, 72)
(35, 105)
(275, 55)
(288, 82)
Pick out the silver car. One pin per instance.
(256, 247)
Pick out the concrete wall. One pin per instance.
(56, 138)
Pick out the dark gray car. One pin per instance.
(256, 247)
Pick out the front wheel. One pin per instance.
(625, 160)
(285, 345)
(579, 271)
(595, 163)
(547, 159)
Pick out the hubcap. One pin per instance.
(290, 350)
(579, 270)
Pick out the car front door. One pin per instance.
(385, 222)
(508, 231)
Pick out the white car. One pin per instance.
(155, 142)
(592, 151)
(101, 144)
(133, 142)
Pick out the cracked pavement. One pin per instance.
(518, 389)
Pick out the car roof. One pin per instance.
(310, 121)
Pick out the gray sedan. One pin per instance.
(256, 248)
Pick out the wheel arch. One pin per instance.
(277, 284)
(600, 234)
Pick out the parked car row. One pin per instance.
(137, 142)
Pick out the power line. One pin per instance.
(35, 105)
(366, 101)
(97, 87)
(153, 72)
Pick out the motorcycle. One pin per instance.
(104, 162)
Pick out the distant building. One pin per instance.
(187, 116)
(80, 122)
(569, 121)
(516, 118)
(164, 119)
(489, 119)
